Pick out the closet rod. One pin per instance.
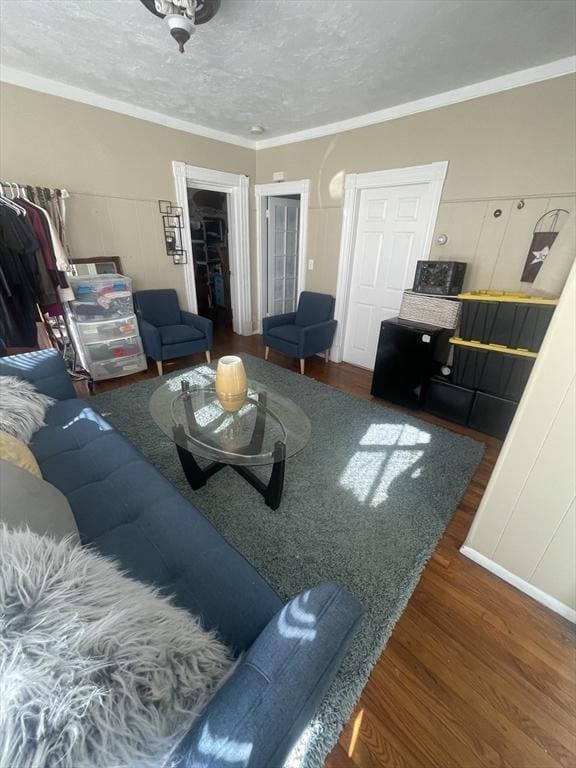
(20, 189)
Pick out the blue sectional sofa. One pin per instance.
(126, 509)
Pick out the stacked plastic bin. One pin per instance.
(499, 339)
(104, 326)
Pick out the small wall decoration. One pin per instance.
(545, 232)
(173, 222)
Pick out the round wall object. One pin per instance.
(497, 213)
(442, 239)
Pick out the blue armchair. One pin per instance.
(305, 332)
(167, 331)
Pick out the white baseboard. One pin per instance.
(524, 586)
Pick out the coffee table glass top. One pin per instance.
(195, 421)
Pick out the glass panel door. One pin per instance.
(283, 223)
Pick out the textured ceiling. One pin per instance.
(285, 64)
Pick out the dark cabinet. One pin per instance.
(405, 360)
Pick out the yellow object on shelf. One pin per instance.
(515, 297)
(492, 347)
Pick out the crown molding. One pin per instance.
(467, 93)
(55, 88)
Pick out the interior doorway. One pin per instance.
(208, 214)
(387, 226)
(235, 187)
(280, 266)
(281, 226)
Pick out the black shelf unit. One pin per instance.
(493, 359)
(407, 356)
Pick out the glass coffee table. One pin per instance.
(267, 430)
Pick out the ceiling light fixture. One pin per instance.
(182, 15)
(257, 129)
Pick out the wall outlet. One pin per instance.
(310, 264)
(278, 176)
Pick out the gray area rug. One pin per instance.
(364, 505)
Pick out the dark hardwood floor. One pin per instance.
(475, 673)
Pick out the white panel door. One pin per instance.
(282, 267)
(390, 237)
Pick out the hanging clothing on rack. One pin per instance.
(54, 257)
(33, 260)
(20, 285)
(47, 264)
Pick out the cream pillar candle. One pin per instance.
(231, 383)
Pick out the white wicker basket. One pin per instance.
(432, 310)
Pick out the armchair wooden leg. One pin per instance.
(266, 352)
(159, 366)
(302, 363)
(208, 358)
(327, 355)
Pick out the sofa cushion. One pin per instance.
(290, 333)
(128, 510)
(27, 501)
(98, 669)
(16, 452)
(176, 334)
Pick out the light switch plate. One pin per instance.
(310, 264)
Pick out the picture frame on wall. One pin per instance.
(172, 222)
(171, 242)
(179, 256)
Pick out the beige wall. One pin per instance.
(116, 169)
(515, 144)
(526, 522)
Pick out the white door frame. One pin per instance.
(279, 189)
(236, 187)
(354, 183)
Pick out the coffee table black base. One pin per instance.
(271, 491)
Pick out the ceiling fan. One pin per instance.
(182, 15)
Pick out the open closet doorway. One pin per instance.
(235, 188)
(208, 213)
(282, 222)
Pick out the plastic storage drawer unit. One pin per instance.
(123, 366)
(106, 330)
(109, 306)
(520, 324)
(494, 372)
(101, 351)
(448, 400)
(492, 415)
(93, 288)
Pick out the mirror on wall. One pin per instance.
(105, 265)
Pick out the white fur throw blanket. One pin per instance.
(22, 407)
(96, 669)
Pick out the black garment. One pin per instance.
(20, 281)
